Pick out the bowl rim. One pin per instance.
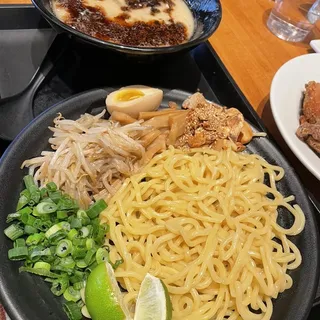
(281, 124)
(52, 19)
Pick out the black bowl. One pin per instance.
(207, 15)
(28, 297)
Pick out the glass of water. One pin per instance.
(289, 21)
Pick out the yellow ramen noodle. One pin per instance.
(204, 222)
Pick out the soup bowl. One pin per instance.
(206, 14)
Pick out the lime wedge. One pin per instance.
(103, 297)
(153, 301)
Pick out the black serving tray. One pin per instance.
(25, 38)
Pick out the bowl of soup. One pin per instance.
(135, 26)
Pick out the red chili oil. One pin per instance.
(92, 21)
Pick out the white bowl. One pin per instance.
(286, 97)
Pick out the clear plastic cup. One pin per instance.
(288, 19)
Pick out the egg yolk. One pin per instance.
(129, 94)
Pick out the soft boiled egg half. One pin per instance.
(134, 99)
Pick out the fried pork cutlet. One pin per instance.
(309, 129)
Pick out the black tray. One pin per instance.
(25, 38)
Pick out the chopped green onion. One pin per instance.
(72, 310)
(89, 258)
(77, 277)
(35, 239)
(59, 286)
(29, 230)
(48, 200)
(91, 267)
(33, 189)
(79, 242)
(90, 228)
(78, 285)
(96, 226)
(102, 255)
(27, 210)
(53, 249)
(88, 232)
(90, 243)
(25, 217)
(55, 238)
(81, 264)
(23, 199)
(13, 232)
(83, 217)
(28, 263)
(42, 225)
(46, 207)
(43, 216)
(38, 252)
(84, 232)
(35, 212)
(79, 253)
(31, 220)
(24, 212)
(81, 214)
(60, 242)
(72, 233)
(85, 221)
(55, 196)
(57, 261)
(75, 223)
(48, 259)
(64, 225)
(71, 294)
(51, 186)
(19, 243)
(116, 264)
(42, 265)
(65, 264)
(61, 215)
(13, 216)
(99, 239)
(18, 253)
(66, 203)
(25, 192)
(29, 183)
(64, 247)
(96, 209)
(54, 229)
(44, 193)
(39, 272)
